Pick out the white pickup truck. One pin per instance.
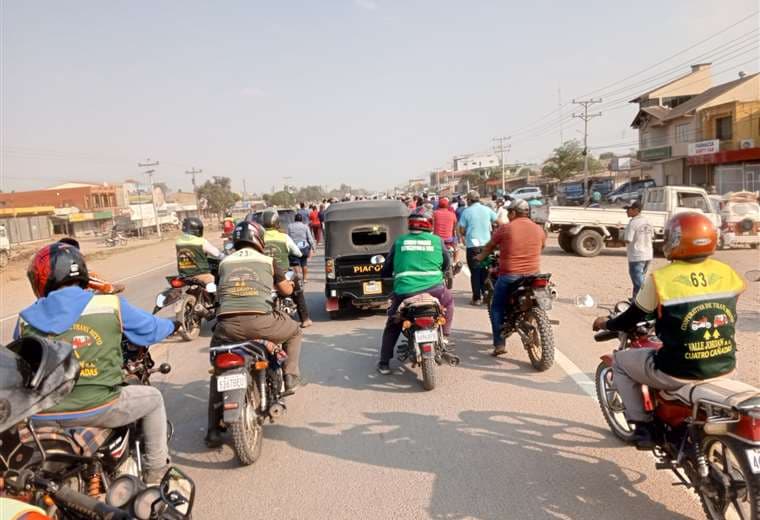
(586, 231)
(5, 248)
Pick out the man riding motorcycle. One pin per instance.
(94, 325)
(445, 222)
(691, 291)
(193, 251)
(246, 279)
(520, 243)
(280, 247)
(417, 262)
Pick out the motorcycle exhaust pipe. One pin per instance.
(277, 410)
(452, 359)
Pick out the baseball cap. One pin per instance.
(634, 204)
(519, 205)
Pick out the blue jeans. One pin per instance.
(505, 286)
(637, 270)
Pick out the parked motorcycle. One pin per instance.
(193, 301)
(707, 432)
(250, 378)
(423, 319)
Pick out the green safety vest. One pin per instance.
(276, 246)
(697, 318)
(191, 259)
(96, 338)
(417, 263)
(245, 283)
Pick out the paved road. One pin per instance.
(495, 440)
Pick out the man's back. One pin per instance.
(476, 221)
(444, 221)
(520, 244)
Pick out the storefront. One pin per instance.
(728, 171)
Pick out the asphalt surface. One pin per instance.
(494, 440)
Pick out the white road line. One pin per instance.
(571, 369)
(130, 277)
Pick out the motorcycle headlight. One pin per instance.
(123, 490)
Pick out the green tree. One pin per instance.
(567, 160)
(282, 199)
(218, 194)
(310, 194)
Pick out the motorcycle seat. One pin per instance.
(722, 390)
(83, 440)
(420, 303)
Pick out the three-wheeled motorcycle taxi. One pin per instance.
(357, 237)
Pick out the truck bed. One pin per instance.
(603, 217)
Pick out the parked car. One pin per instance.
(629, 191)
(740, 220)
(286, 216)
(571, 194)
(526, 193)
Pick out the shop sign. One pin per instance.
(655, 154)
(704, 147)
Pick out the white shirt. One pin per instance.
(638, 237)
(502, 216)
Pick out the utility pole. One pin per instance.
(559, 109)
(193, 173)
(245, 193)
(586, 118)
(501, 148)
(149, 175)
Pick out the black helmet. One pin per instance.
(54, 266)
(248, 234)
(192, 226)
(270, 219)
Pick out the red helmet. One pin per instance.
(689, 235)
(443, 203)
(54, 266)
(421, 219)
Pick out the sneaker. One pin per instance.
(384, 368)
(291, 383)
(213, 439)
(498, 351)
(643, 436)
(153, 477)
(476, 303)
(306, 324)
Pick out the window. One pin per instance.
(369, 236)
(723, 128)
(692, 201)
(682, 133)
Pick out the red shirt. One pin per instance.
(314, 218)
(444, 223)
(520, 243)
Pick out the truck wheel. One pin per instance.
(565, 242)
(588, 243)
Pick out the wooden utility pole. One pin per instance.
(501, 148)
(149, 175)
(586, 118)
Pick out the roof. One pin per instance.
(659, 87)
(366, 210)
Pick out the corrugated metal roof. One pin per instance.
(706, 96)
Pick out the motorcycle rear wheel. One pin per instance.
(248, 431)
(611, 403)
(541, 347)
(428, 373)
(191, 323)
(727, 457)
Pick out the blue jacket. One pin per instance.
(59, 310)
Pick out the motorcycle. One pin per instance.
(706, 432)
(193, 301)
(286, 304)
(423, 318)
(250, 378)
(115, 240)
(455, 266)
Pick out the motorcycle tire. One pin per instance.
(611, 404)
(541, 349)
(191, 323)
(248, 431)
(738, 472)
(449, 281)
(428, 373)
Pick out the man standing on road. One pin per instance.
(304, 239)
(445, 222)
(475, 227)
(520, 243)
(638, 238)
(303, 211)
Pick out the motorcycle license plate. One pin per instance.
(425, 336)
(373, 287)
(754, 460)
(545, 302)
(231, 382)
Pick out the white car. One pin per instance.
(526, 193)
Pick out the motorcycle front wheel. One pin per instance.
(248, 431)
(191, 322)
(540, 342)
(611, 403)
(734, 490)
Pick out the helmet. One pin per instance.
(248, 234)
(519, 206)
(421, 219)
(689, 235)
(443, 203)
(270, 219)
(54, 266)
(192, 226)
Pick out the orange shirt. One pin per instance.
(520, 243)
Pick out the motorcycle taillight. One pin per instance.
(177, 283)
(424, 321)
(748, 427)
(539, 282)
(227, 360)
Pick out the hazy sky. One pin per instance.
(367, 92)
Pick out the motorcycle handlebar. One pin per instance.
(88, 506)
(605, 335)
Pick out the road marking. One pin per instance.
(130, 277)
(571, 369)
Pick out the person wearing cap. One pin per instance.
(445, 222)
(475, 226)
(638, 239)
(520, 243)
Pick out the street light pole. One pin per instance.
(501, 148)
(149, 175)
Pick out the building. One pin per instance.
(674, 119)
(27, 224)
(473, 161)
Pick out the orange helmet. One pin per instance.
(689, 235)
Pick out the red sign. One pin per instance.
(727, 156)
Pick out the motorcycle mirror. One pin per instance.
(377, 259)
(164, 368)
(178, 492)
(228, 247)
(585, 302)
(753, 275)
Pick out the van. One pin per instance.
(630, 191)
